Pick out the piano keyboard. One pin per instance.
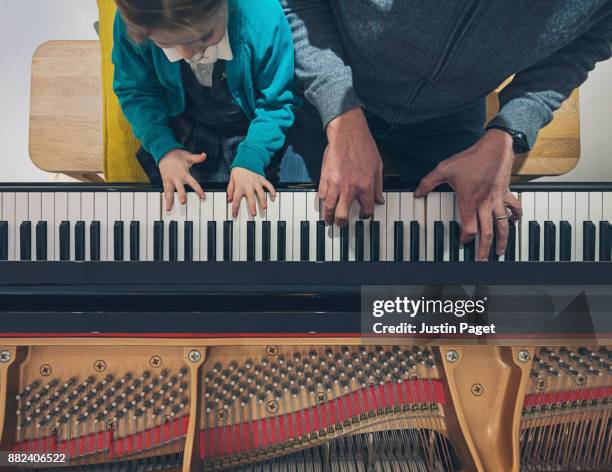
(126, 223)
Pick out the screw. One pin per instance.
(271, 350)
(5, 356)
(194, 356)
(523, 356)
(155, 361)
(45, 370)
(100, 366)
(477, 390)
(452, 356)
(541, 384)
(272, 407)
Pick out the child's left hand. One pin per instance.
(250, 185)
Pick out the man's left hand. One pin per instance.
(480, 177)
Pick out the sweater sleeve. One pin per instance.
(528, 102)
(141, 95)
(320, 59)
(272, 59)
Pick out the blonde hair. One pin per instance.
(143, 17)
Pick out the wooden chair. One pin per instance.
(66, 118)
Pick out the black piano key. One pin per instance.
(266, 240)
(188, 241)
(25, 239)
(469, 251)
(374, 241)
(605, 241)
(534, 241)
(415, 241)
(344, 243)
(510, 255)
(3, 240)
(211, 250)
(173, 241)
(158, 241)
(251, 241)
(79, 241)
(304, 241)
(454, 241)
(281, 243)
(588, 241)
(64, 241)
(321, 241)
(94, 241)
(550, 241)
(359, 241)
(398, 241)
(134, 241)
(565, 241)
(118, 236)
(228, 240)
(438, 241)
(41, 241)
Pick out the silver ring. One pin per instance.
(497, 218)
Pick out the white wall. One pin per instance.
(25, 24)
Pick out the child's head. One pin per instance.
(189, 26)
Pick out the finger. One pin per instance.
(429, 182)
(366, 202)
(270, 188)
(343, 208)
(182, 195)
(231, 187)
(514, 204)
(193, 183)
(379, 196)
(502, 229)
(485, 224)
(197, 158)
(329, 208)
(469, 223)
(252, 203)
(323, 188)
(169, 194)
(261, 198)
(236, 203)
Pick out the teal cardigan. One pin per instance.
(260, 78)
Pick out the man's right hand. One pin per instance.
(352, 168)
(174, 168)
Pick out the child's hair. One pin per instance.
(143, 17)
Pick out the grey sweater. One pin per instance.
(411, 60)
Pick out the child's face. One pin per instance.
(191, 43)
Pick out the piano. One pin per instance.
(183, 344)
(561, 222)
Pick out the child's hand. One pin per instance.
(174, 168)
(244, 183)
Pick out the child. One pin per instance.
(207, 86)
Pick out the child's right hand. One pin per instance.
(174, 168)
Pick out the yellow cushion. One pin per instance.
(120, 145)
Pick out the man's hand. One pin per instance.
(352, 168)
(174, 169)
(250, 185)
(480, 177)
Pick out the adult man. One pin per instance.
(412, 76)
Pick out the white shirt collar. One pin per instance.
(221, 50)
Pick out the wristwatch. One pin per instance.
(519, 139)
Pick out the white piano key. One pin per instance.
(21, 215)
(380, 215)
(419, 216)
(240, 231)
(541, 215)
(127, 216)
(207, 212)
(607, 207)
(177, 213)
(140, 215)
(313, 215)
(555, 211)
(273, 216)
(582, 215)
(220, 215)
(299, 215)
(568, 213)
(74, 215)
(48, 215)
(447, 214)
(393, 201)
(61, 214)
(35, 215)
(528, 204)
(114, 215)
(286, 215)
(87, 215)
(353, 217)
(333, 238)
(154, 213)
(8, 215)
(260, 217)
(101, 215)
(595, 215)
(432, 214)
(193, 214)
(407, 215)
